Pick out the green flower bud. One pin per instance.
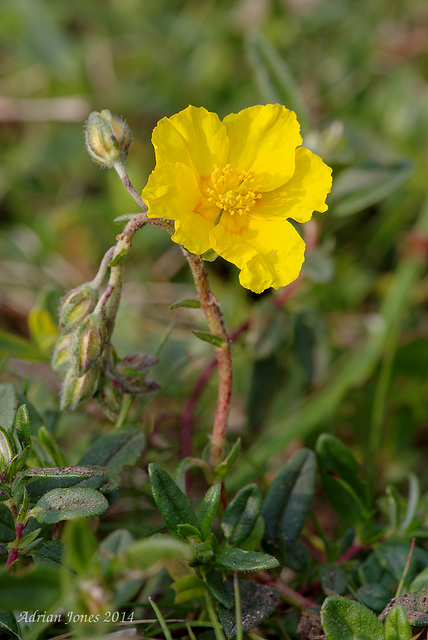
(79, 389)
(61, 359)
(76, 305)
(108, 138)
(88, 343)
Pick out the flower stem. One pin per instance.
(142, 219)
(215, 322)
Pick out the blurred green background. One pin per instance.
(345, 349)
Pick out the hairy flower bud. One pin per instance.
(76, 305)
(78, 389)
(110, 396)
(108, 138)
(88, 343)
(61, 356)
(131, 373)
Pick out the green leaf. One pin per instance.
(188, 587)
(209, 337)
(222, 470)
(258, 602)
(208, 510)
(241, 514)
(287, 502)
(22, 426)
(236, 559)
(13, 346)
(274, 79)
(8, 622)
(8, 402)
(30, 541)
(397, 626)
(184, 466)
(189, 303)
(334, 580)
(145, 553)
(49, 552)
(80, 546)
(56, 457)
(170, 500)
(67, 504)
(43, 330)
(416, 606)
(114, 545)
(220, 588)
(47, 479)
(338, 470)
(343, 619)
(38, 588)
(7, 524)
(375, 596)
(187, 531)
(256, 536)
(114, 450)
(357, 188)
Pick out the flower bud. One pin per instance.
(110, 397)
(76, 305)
(88, 343)
(131, 374)
(78, 389)
(108, 138)
(61, 360)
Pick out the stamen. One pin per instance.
(230, 191)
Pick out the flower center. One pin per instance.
(230, 191)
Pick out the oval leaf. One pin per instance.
(208, 510)
(170, 500)
(190, 303)
(144, 553)
(339, 476)
(343, 619)
(239, 560)
(209, 337)
(114, 450)
(258, 602)
(66, 504)
(7, 524)
(287, 502)
(397, 626)
(241, 514)
(38, 588)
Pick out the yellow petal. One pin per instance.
(303, 194)
(173, 193)
(263, 139)
(195, 137)
(270, 254)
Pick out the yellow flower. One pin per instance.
(231, 186)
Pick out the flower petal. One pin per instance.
(303, 194)
(263, 139)
(173, 193)
(195, 137)
(270, 254)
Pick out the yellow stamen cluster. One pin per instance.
(230, 190)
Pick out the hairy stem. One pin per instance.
(215, 322)
(142, 219)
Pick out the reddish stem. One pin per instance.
(215, 322)
(19, 527)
